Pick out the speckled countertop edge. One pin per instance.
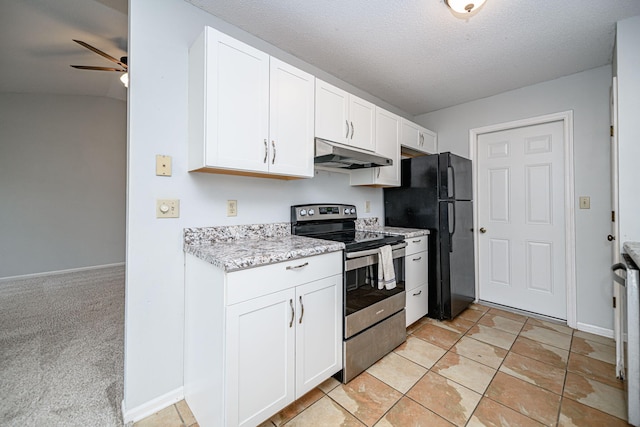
(373, 224)
(633, 250)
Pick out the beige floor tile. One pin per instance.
(398, 372)
(492, 336)
(420, 351)
(594, 350)
(297, 407)
(168, 417)
(479, 351)
(366, 397)
(469, 373)
(441, 337)
(596, 395)
(456, 325)
(417, 324)
(528, 399)
(471, 315)
(502, 323)
(446, 398)
(479, 307)
(546, 336)
(329, 384)
(508, 314)
(325, 412)
(595, 338)
(574, 414)
(490, 413)
(594, 369)
(550, 325)
(185, 413)
(534, 372)
(541, 352)
(407, 413)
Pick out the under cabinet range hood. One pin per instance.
(332, 155)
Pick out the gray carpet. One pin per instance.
(61, 349)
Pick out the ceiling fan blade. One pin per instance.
(101, 53)
(89, 67)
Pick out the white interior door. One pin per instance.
(521, 218)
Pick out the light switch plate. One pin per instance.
(367, 206)
(163, 165)
(167, 208)
(585, 202)
(232, 208)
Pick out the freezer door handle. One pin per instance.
(452, 180)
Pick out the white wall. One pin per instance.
(587, 94)
(62, 182)
(160, 35)
(628, 72)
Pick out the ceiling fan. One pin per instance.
(122, 62)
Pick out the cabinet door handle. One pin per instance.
(273, 160)
(293, 314)
(419, 292)
(266, 151)
(417, 259)
(421, 139)
(301, 309)
(416, 241)
(347, 123)
(351, 130)
(295, 267)
(379, 172)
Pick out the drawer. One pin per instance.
(416, 244)
(415, 270)
(417, 304)
(251, 283)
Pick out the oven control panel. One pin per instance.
(323, 212)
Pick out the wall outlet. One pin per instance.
(163, 165)
(367, 206)
(167, 208)
(585, 202)
(232, 208)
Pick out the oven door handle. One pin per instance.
(351, 255)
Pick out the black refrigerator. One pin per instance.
(436, 193)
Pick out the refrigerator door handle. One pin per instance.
(452, 223)
(452, 181)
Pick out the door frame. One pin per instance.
(566, 117)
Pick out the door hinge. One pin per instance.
(613, 216)
(611, 132)
(614, 302)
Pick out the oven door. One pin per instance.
(365, 304)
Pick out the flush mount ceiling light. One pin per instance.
(464, 6)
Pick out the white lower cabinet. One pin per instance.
(416, 278)
(274, 334)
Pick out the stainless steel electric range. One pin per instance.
(374, 316)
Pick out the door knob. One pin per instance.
(610, 238)
(483, 230)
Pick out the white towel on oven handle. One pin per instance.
(386, 273)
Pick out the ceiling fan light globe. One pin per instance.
(464, 6)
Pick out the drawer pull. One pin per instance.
(417, 259)
(295, 267)
(419, 292)
(293, 314)
(416, 241)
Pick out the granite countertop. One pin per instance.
(633, 250)
(373, 224)
(239, 247)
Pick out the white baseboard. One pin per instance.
(151, 407)
(50, 273)
(596, 330)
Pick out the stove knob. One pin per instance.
(311, 212)
(303, 212)
(353, 210)
(346, 211)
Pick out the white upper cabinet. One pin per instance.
(388, 145)
(344, 118)
(249, 114)
(416, 138)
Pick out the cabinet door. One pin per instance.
(319, 332)
(332, 109)
(417, 304)
(260, 357)
(237, 104)
(362, 124)
(428, 141)
(410, 135)
(291, 118)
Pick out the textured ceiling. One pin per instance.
(36, 46)
(419, 57)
